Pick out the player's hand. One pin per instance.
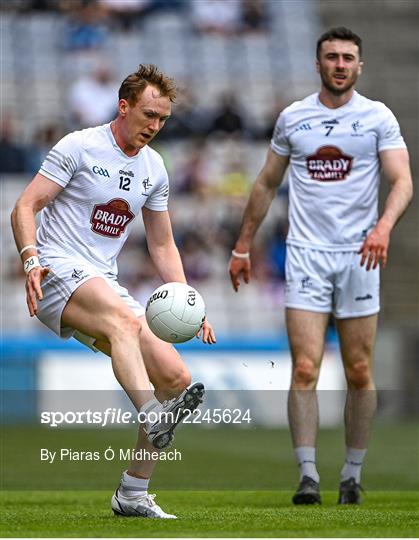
(33, 288)
(374, 250)
(207, 332)
(238, 267)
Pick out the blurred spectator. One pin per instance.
(128, 14)
(192, 174)
(12, 154)
(43, 140)
(196, 256)
(227, 117)
(254, 16)
(229, 223)
(235, 182)
(93, 99)
(216, 16)
(86, 27)
(125, 14)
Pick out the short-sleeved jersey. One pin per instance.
(104, 190)
(334, 168)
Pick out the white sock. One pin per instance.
(306, 458)
(131, 486)
(353, 464)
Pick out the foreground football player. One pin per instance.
(335, 142)
(90, 187)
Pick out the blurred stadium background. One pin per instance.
(237, 63)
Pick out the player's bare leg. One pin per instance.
(357, 340)
(97, 311)
(170, 377)
(306, 332)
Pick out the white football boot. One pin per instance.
(143, 506)
(160, 433)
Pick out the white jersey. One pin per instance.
(104, 190)
(334, 168)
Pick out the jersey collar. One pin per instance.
(349, 104)
(115, 144)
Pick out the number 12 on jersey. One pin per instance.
(124, 183)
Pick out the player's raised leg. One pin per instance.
(306, 332)
(357, 339)
(95, 310)
(171, 379)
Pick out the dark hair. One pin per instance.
(147, 74)
(339, 33)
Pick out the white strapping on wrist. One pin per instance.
(30, 263)
(240, 255)
(26, 248)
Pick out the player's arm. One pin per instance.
(162, 247)
(260, 199)
(165, 255)
(396, 169)
(38, 194)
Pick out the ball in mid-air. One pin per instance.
(175, 312)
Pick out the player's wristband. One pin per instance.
(240, 255)
(26, 248)
(31, 263)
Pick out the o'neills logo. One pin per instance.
(156, 296)
(111, 218)
(329, 163)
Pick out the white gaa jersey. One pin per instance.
(334, 169)
(104, 190)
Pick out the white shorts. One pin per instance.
(331, 282)
(65, 276)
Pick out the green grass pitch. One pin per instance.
(229, 483)
(209, 514)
